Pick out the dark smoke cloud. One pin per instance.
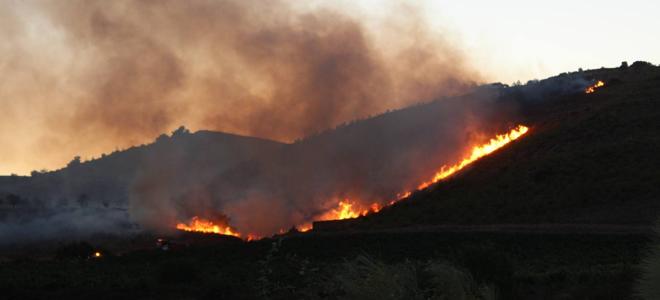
(366, 162)
(89, 76)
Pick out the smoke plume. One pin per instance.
(87, 77)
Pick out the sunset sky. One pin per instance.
(88, 77)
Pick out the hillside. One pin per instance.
(589, 159)
(106, 181)
(559, 173)
(587, 163)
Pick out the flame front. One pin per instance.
(206, 226)
(593, 88)
(349, 210)
(477, 152)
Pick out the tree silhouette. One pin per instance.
(181, 131)
(74, 162)
(162, 138)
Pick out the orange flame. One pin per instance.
(206, 226)
(346, 209)
(593, 88)
(305, 227)
(477, 152)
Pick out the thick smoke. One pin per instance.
(366, 162)
(86, 77)
(71, 224)
(89, 76)
(370, 161)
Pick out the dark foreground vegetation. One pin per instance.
(410, 265)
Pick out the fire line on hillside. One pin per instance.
(347, 209)
(593, 87)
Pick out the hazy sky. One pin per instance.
(536, 39)
(520, 40)
(70, 88)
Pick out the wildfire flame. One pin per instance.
(347, 209)
(593, 88)
(477, 152)
(198, 224)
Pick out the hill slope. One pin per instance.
(589, 158)
(107, 180)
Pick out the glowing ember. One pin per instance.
(593, 88)
(206, 226)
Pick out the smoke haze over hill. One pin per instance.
(86, 77)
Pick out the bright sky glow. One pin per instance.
(520, 40)
(511, 40)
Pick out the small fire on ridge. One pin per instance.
(593, 87)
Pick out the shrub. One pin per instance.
(366, 278)
(649, 285)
